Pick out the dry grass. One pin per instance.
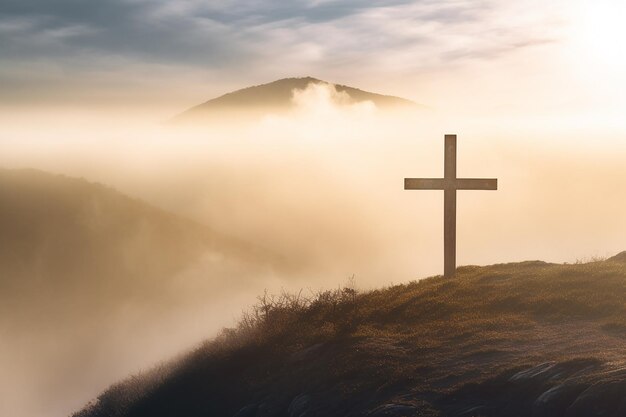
(357, 350)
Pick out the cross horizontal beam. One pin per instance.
(455, 184)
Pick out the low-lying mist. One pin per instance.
(319, 188)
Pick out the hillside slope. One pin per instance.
(89, 275)
(524, 339)
(61, 235)
(277, 96)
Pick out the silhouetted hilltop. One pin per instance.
(89, 277)
(510, 340)
(73, 251)
(63, 235)
(277, 96)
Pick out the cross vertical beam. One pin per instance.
(449, 209)
(449, 184)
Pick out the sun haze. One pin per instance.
(164, 163)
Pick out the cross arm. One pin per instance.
(476, 184)
(443, 184)
(424, 184)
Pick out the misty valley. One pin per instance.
(257, 256)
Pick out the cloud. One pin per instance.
(258, 39)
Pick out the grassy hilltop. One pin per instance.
(524, 339)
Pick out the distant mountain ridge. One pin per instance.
(65, 228)
(277, 96)
(85, 270)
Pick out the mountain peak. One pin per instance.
(276, 96)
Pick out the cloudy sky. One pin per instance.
(535, 88)
(442, 53)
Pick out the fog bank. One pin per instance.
(320, 187)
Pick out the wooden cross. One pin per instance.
(449, 184)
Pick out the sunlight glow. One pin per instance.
(601, 31)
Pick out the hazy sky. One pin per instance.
(520, 55)
(535, 89)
